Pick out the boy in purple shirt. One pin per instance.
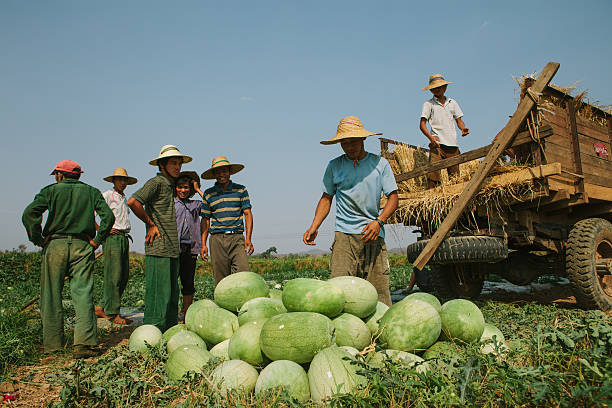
(188, 227)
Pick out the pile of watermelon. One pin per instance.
(307, 338)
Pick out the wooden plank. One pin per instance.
(442, 164)
(561, 182)
(560, 154)
(504, 178)
(587, 147)
(557, 116)
(384, 144)
(588, 126)
(499, 145)
(598, 192)
(599, 180)
(523, 137)
(597, 165)
(575, 146)
(601, 135)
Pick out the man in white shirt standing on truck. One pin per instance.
(441, 113)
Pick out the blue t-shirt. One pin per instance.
(358, 190)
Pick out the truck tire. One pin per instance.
(589, 241)
(457, 281)
(463, 249)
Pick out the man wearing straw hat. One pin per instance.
(441, 112)
(357, 179)
(154, 205)
(223, 207)
(116, 248)
(68, 251)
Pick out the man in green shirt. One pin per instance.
(154, 205)
(68, 240)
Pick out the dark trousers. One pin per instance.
(437, 154)
(187, 265)
(227, 255)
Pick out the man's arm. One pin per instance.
(321, 213)
(433, 139)
(371, 231)
(107, 219)
(204, 225)
(248, 224)
(464, 129)
(138, 210)
(32, 219)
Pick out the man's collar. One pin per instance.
(69, 181)
(160, 174)
(218, 187)
(446, 101)
(121, 194)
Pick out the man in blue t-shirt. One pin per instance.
(357, 179)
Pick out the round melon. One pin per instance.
(410, 325)
(330, 374)
(441, 349)
(214, 324)
(221, 350)
(426, 297)
(186, 358)
(360, 296)
(184, 338)
(235, 375)
(193, 310)
(372, 320)
(296, 336)
(276, 294)
(409, 360)
(260, 308)
(244, 344)
(234, 290)
(492, 336)
(351, 331)
(172, 331)
(313, 295)
(285, 374)
(462, 320)
(144, 335)
(352, 350)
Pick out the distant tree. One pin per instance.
(22, 248)
(268, 253)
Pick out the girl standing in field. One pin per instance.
(188, 226)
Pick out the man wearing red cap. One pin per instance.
(68, 240)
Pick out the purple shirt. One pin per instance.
(188, 219)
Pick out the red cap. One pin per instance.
(68, 166)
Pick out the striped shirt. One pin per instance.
(158, 200)
(224, 208)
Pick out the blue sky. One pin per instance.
(108, 83)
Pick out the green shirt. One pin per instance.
(157, 197)
(71, 205)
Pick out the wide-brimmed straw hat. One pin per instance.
(435, 81)
(121, 172)
(170, 151)
(221, 161)
(350, 127)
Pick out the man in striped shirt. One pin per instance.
(223, 207)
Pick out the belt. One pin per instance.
(83, 237)
(227, 233)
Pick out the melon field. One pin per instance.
(553, 353)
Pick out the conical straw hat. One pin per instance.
(170, 151)
(221, 161)
(435, 81)
(349, 127)
(121, 172)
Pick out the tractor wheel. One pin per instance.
(588, 263)
(463, 249)
(457, 281)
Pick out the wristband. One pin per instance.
(380, 222)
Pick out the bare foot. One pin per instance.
(121, 320)
(100, 312)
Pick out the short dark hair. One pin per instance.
(74, 176)
(162, 163)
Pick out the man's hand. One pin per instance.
(248, 246)
(370, 232)
(204, 252)
(309, 236)
(93, 244)
(465, 131)
(152, 233)
(435, 141)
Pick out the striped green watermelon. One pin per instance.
(183, 338)
(462, 320)
(351, 331)
(143, 337)
(221, 350)
(244, 344)
(426, 297)
(186, 358)
(214, 324)
(330, 374)
(296, 336)
(360, 295)
(234, 290)
(260, 308)
(193, 310)
(410, 325)
(285, 374)
(313, 295)
(372, 320)
(172, 331)
(235, 375)
(492, 337)
(376, 359)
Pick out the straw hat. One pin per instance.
(120, 172)
(435, 81)
(348, 128)
(221, 161)
(170, 151)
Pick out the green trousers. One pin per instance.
(116, 271)
(161, 291)
(73, 258)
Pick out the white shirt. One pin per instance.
(441, 119)
(118, 204)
